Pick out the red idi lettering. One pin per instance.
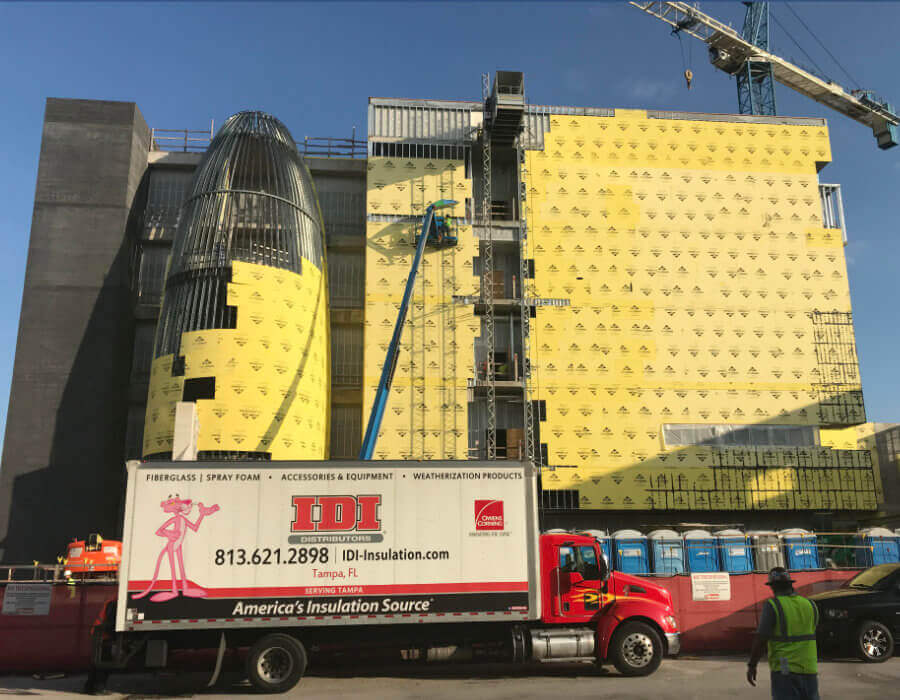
(335, 513)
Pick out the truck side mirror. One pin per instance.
(603, 565)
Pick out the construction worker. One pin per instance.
(788, 626)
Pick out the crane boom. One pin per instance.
(435, 232)
(729, 51)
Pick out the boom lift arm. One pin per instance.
(435, 232)
(730, 52)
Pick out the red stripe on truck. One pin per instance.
(395, 589)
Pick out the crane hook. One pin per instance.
(688, 76)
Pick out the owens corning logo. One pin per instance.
(488, 515)
(335, 517)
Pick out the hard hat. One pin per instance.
(779, 575)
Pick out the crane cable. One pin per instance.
(819, 41)
(686, 64)
(797, 44)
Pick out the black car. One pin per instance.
(862, 617)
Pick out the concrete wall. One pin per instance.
(62, 471)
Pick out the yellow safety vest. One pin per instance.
(792, 646)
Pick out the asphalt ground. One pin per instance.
(683, 678)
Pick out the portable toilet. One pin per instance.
(666, 552)
(800, 548)
(734, 552)
(767, 549)
(603, 538)
(878, 546)
(630, 552)
(700, 551)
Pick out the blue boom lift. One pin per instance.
(437, 233)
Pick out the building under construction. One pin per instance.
(652, 306)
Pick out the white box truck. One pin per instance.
(437, 561)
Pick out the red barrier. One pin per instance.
(728, 625)
(59, 641)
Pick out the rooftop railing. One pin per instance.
(198, 140)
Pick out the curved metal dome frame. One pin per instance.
(252, 200)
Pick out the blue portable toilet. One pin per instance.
(666, 552)
(878, 545)
(800, 549)
(630, 552)
(701, 551)
(602, 538)
(734, 552)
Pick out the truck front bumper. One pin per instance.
(673, 643)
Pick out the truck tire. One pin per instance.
(874, 642)
(636, 649)
(276, 663)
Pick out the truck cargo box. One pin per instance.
(327, 543)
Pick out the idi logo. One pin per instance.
(336, 514)
(488, 515)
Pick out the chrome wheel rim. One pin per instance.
(274, 665)
(637, 649)
(875, 642)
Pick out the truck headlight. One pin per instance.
(836, 614)
(671, 621)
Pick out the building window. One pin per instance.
(346, 279)
(167, 191)
(346, 431)
(832, 208)
(346, 355)
(142, 357)
(152, 273)
(431, 151)
(683, 434)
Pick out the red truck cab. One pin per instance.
(632, 618)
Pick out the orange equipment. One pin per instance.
(93, 556)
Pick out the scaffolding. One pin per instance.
(839, 388)
(487, 266)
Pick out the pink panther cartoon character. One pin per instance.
(175, 530)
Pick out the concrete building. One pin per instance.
(652, 305)
(107, 204)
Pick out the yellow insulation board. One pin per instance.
(271, 372)
(693, 254)
(426, 416)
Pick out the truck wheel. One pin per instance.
(636, 649)
(276, 663)
(874, 642)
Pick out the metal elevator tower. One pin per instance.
(487, 265)
(755, 82)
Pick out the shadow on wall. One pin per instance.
(82, 488)
(762, 487)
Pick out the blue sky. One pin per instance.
(315, 64)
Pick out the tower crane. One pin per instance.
(746, 55)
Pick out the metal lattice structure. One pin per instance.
(755, 82)
(252, 200)
(526, 293)
(487, 268)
